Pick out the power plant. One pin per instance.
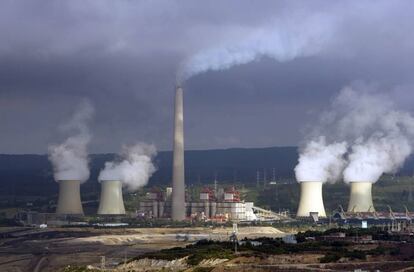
(69, 201)
(361, 198)
(215, 205)
(311, 200)
(218, 206)
(111, 201)
(178, 176)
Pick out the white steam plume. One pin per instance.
(320, 161)
(70, 158)
(377, 155)
(282, 39)
(135, 167)
(381, 137)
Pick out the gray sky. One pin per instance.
(124, 56)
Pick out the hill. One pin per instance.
(31, 176)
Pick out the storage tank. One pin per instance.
(311, 199)
(69, 201)
(111, 201)
(361, 197)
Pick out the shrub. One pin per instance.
(356, 254)
(330, 258)
(203, 269)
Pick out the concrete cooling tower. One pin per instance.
(111, 201)
(311, 199)
(361, 197)
(69, 201)
(178, 194)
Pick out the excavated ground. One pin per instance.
(23, 249)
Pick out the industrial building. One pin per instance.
(361, 197)
(218, 204)
(311, 201)
(374, 218)
(69, 201)
(178, 193)
(222, 205)
(111, 201)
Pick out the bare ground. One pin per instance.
(54, 248)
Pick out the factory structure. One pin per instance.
(111, 201)
(178, 180)
(221, 205)
(215, 205)
(69, 201)
(210, 205)
(361, 197)
(311, 200)
(218, 204)
(389, 218)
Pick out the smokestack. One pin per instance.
(178, 193)
(111, 201)
(311, 199)
(69, 201)
(361, 197)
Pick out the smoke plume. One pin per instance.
(380, 135)
(379, 154)
(320, 161)
(70, 158)
(282, 39)
(134, 168)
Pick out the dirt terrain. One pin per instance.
(26, 249)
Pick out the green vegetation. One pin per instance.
(72, 268)
(196, 253)
(330, 257)
(376, 232)
(334, 250)
(203, 269)
(334, 256)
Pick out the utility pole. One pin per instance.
(215, 188)
(103, 263)
(234, 238)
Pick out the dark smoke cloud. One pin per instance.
(124, 56)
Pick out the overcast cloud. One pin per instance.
(124, 57)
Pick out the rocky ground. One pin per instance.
(52, 249)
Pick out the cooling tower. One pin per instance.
(311, 199)
(178, 193)
(361, 197)
(111, 201)
(69, 201)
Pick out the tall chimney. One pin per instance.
(178, 194)
(311, 199)
(69, 201)
(111, 201)
(361, 197)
